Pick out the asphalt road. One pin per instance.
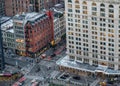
(16, 62)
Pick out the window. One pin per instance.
(94, 18)
(110, 35)
(85, 21)
(94, 46)
(102, 14)
(71, 51)
(111, 49)
(77, 34)
(78, 43)
(94, 13)
(72, 57)
(95, 63)
(69, 0)
(102, 5)
(111, 15)
(85, 54)
(69, 10)
(111, 40)
(94, 55)
(86, 60)
(77, 11)
(84, 12)
(111, 66)
(84, 3)
(94, 51)
(102, 19)
(84, 7)
(78, 39)
(94, 8)
(102, 9)
(111, 6)
(93, 4)
(111, 59)
(110, 21)
(77, 6)
(78, 58)
(78, 52)
(111, 30)
(119, 67)
(111, 54)
(111, 10)
(84, 35)
(69, 5)
(76, 1)
(103, 57)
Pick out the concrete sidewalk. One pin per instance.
(95, 82)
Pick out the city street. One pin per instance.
(46, 71)
(16, 62)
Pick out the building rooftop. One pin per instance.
(66, 62)
(58, 14)
(7, 23)
(72, 64)
(107, 1)
(4, 19)
(31, 17)
(11, 30)
(58, 11)
(60, 5)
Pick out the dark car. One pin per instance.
(76, 77)
(53, 55)
(62, 77)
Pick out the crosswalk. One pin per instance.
(34, 77)
(95, 82)
(54, 74)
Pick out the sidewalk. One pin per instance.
(95, 82)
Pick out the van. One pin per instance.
(34, 80)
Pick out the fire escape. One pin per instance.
(27, 40)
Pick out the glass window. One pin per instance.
(102, 5)
(76, 1)
(69, 0)
(93, 4)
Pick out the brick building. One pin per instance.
(40, 32)
(39, 5)
(33, 32)
(12, 7)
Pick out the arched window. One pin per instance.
(93, 4)
(85, 3)
(111, 10)
(102, 5)
(111, 6)
(69, 0)
(76, 1)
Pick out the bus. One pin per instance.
(5, 75)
